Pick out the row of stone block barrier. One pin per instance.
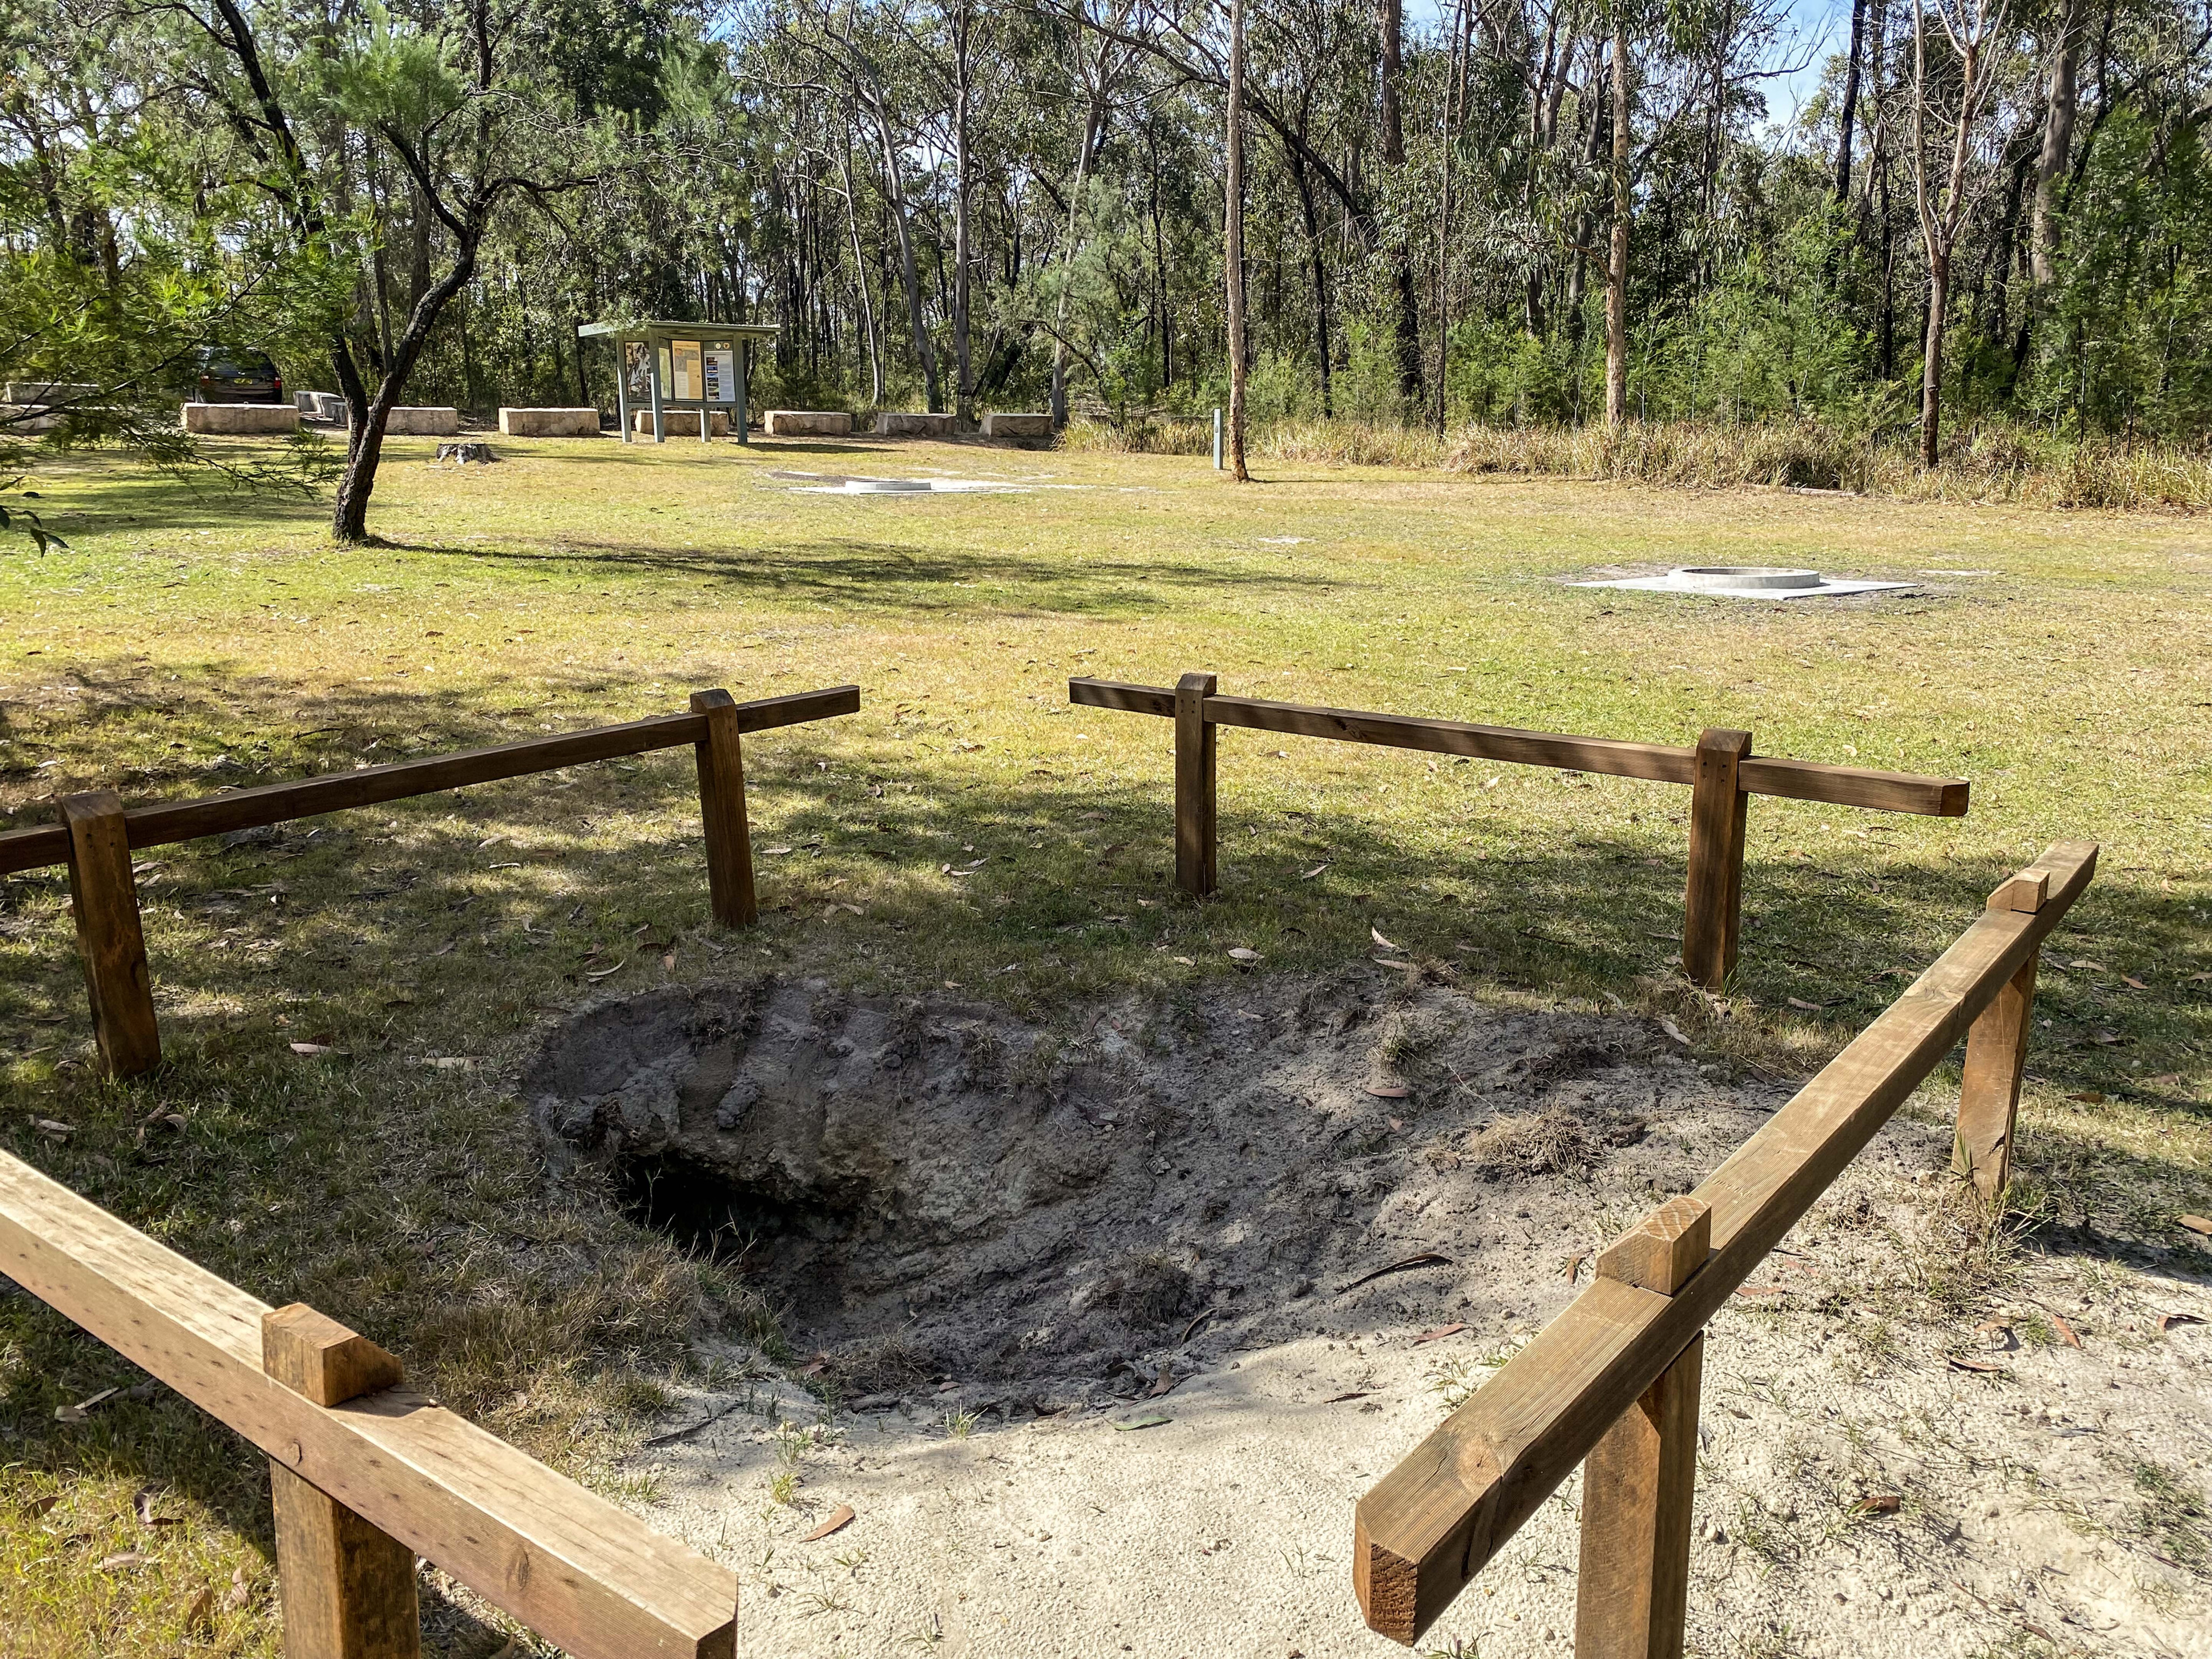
(241, 420)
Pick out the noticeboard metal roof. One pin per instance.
(660, 328)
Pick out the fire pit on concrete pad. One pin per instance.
(1748, 581)
(831, 484)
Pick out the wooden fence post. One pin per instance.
(722, 805)
(1633, 1585)
(1195, 837)
(348, 1590)
(109, 937)
(1996, 1054)
(1713, 909)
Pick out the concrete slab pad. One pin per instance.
(1748, 582)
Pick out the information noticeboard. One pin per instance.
(635, 369)
(687, 382)
(721, 367)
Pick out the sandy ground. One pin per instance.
(1227, 1530)
(1908, 1441)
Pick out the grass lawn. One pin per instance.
(967, 828)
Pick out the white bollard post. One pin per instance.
(1217, 440)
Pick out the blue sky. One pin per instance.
(1816, 30)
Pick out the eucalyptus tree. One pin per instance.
(459, 98)
(1958, 94)
(867, 51)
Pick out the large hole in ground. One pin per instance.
(709, 1214)
(925, 1188)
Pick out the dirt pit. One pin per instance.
(1100, 1338)
(931, 1190)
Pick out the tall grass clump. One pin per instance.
(1992, 462)
(1138, 435)
(1695, 455)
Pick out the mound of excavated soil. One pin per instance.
(933, 1190)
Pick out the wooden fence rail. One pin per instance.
(1721, 770)
(1614, 1379)
(365, 1473)
(98, 833)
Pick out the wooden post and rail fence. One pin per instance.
(98, 833)
(1612, 1382)
(367, 1474)
(1721, 770)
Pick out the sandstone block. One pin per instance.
(421, 422)
(241, 420)
(679, 423)
(807, 424)
(552, 423)
(894, 424)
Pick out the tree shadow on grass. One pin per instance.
(851, 575)
(1512, 902)
(1517, 902)
(107, 499)
(106, 493)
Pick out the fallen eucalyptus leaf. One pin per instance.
(840, 1517)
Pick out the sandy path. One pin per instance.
(1227, 1530)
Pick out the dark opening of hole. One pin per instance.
(712, 1215)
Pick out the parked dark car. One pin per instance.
(228, 376)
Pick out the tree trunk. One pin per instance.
(861, 276)
(419, 246)
(1932, 362)
(1232, 240)
(1578, 267)
(909, 274)
(1454, 89)
(963, 370)
(1094, 118)
(2058, 144)
(1408, 324)
(1616, 269)
(1305, 182)
(1885, 322)
(365, 444)
(1160, 300)
(1941, 215)
(1850, 108)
